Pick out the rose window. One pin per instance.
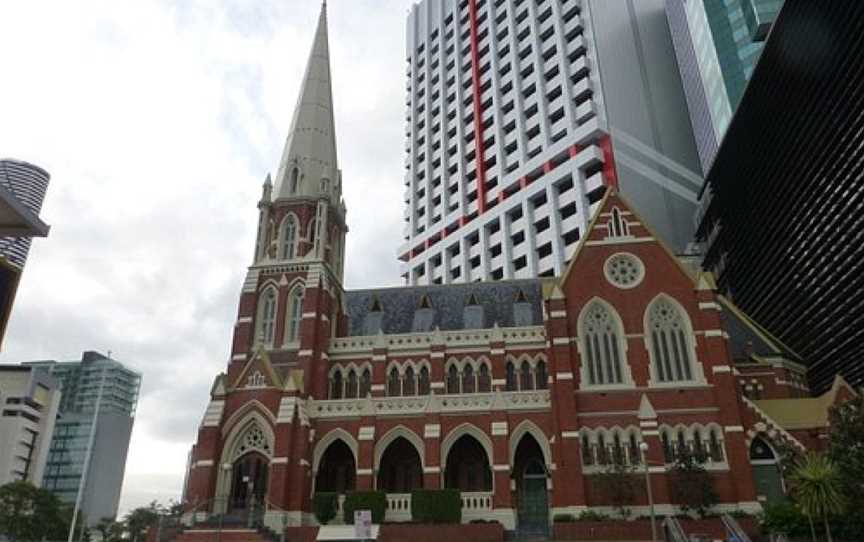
(624, 270)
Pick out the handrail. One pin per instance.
(734, 528)
(673, 532)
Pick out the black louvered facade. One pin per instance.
(783, 208)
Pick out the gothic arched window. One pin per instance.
(351, 385)
(484, 382)
(453, 379)
(409, 385)
(587, 453)
(295, 315)
(602, 350)
(289, 237)
(468, 379)
(266, 317)
(510, 382)
(313, 232)
(423, 381)
(542, 377)
(393, 384)
(365, 383)
(295, 180)
(336, 385)
(670, 342)
(525, 376)
(617, 226)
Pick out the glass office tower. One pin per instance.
(80, 383)
(717, 44)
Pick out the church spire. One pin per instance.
(308, 166)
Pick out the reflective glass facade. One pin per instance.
(717, 43)
(80, 382)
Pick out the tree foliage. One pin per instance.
(618, 485)
(137, 521)
(692, 486)
(28, 513)
(817, 489)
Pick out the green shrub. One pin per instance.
(436, 506)
(591, 515)
(784, 518)
(324, 505)
(564, 518)
(376, 501)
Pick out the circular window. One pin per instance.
(624, 270)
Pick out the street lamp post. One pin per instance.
(643, 447)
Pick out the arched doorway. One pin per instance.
(532, 498)
(400, 469)
(467, 466)
(337, 470)
(766, 471)
(249, 476)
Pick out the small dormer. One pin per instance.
(473, 315)
(522, 314)
(424, 315)
(374, 319)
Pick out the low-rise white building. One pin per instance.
(29, 399)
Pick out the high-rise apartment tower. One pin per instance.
(518, 112)
(22, 190)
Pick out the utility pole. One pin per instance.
(83, 483)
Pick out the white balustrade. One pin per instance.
(398, 507)
(429, 404)
(476, 505)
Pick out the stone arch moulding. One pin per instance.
(626, 371)
(696, 367)
(328, 439)
(391, 435)
(527, 427)
(460, 431)
(254, 406)
(247, 417)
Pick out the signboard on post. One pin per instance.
(363, 524)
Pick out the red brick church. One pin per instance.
(515, 392)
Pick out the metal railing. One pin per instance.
(672, 530)
(733, 528)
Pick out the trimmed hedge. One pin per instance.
(376, 501)
(436, 506)
(324, 505)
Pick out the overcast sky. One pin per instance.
(158, 122)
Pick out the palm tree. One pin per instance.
(816, 486)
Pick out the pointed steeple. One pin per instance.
(309, 156)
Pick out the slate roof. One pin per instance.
(747, 337)
(399, 307)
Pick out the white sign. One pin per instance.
(363, 524)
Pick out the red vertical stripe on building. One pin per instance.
(479, 149)
(609, 172)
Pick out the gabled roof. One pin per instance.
(605, 207)
(311, 143)
(747, 338)
(805, 413)
(260, 360)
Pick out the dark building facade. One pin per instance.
(781, 215)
